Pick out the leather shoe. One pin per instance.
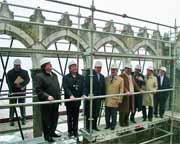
(107, 127)
(133, 121)
(55, 135)
(150, 119)
(70, 134)
(112, 128)
(11, 123)
(49, 139)
(96, 129)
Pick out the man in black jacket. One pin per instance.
(139, 79)
(17, 80)
(98, 89)
(74, 87)
(48, 89)
(161, 97)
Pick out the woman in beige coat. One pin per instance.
(150, 85)
(114, 85)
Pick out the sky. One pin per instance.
(162, 11)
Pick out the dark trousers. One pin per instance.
(132, 115)
(72, 119)
(123, 118)
(110, 116)
(49, 119)
(150, 112)
(12, 109)
(95, 113)
(94, 123)
(159, 102)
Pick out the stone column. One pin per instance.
(37, 124)
(38, 36)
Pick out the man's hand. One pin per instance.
(72, 97)
(128, 93)
(50, 98)
(17, 85)
(84, 96)
(140, 78)
(141, 91)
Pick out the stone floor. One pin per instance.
(9, 134)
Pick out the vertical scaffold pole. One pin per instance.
(91, 66)
(174, 85)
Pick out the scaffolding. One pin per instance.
(115, 42)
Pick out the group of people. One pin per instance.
(76, 86)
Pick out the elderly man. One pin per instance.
(150, 85)
(48, 89)
(114, 85)
(127, 104)
(98, 89)
(74, 87)
(161, 97)
(17, 80)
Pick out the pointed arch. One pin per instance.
(111, 39)
(145, 44)
(64, 33)
(16, 32)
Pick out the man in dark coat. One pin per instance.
(139, 79)
(17, 80)
(98, 89)
(48, 89)
(74, 87)
(161, 97)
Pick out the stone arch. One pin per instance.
(18, 33)
(112, 39)
(148, 44)
(64, 33)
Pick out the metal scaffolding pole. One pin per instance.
(79, 99)
(174, 54)
(91, 68)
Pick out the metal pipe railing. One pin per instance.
(17, 97)
(82, 98)
(111, 13)
(78, 53)
(57, 12)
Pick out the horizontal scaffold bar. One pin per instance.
(4, 51)
(111, 13)
(79, 99)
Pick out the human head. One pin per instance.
(73, 67)
(137, 69)
(162, 70)
(128, 68)
(98, 66)
(46, 65)
(17, 64)
(149, 70)
(114, 70)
